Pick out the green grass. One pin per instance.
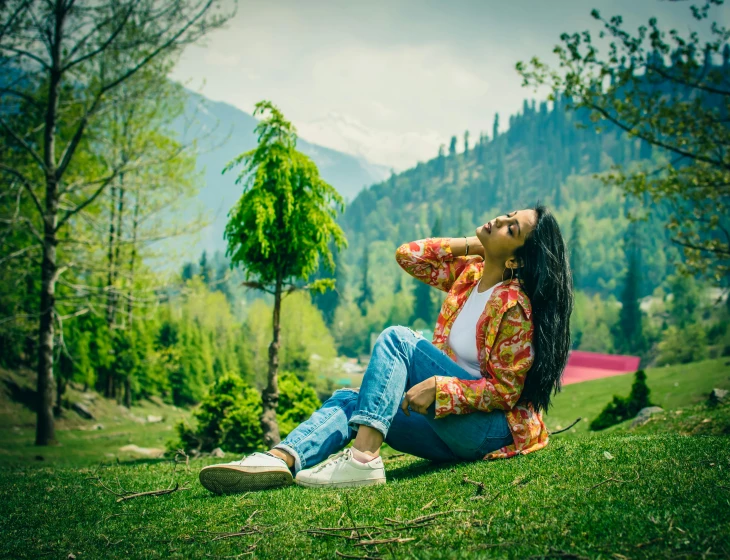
(79, 444)
(671, 388)
(658, 491)
(661, 495)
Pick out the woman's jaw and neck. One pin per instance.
(500, 238)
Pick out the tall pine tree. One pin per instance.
(366, 293)
(576, 234)
(628, 332)
(423, 305)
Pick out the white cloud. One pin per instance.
(398, 151)
(217, 58)
(402, 76)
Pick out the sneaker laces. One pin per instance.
(333, 459)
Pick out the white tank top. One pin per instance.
(463, 334)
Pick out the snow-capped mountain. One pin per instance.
(393, 150)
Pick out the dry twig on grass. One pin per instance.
(612, 479)
(554, 553)
(124, 494)
(154, 492)
(566, 429)
(181, 452)
(245, 531)
(396, 540)
(429, 504)
(423, 518)
(647, 543)
(342, 555)
(494, 545)
(480, 485)
(249, 550)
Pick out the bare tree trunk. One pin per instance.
(60, 390)
(45, 428)
(130, 298)
(127, 391)
(108, 387)
(118, 241)
(270, 396)
(29, 346)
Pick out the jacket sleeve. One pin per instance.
(431, 261)
(508, 363)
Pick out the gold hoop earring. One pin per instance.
(512, 273)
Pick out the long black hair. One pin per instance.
(548, 282)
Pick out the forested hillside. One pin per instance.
(550, 154)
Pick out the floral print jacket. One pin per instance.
(504, 342)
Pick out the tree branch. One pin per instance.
(104, 45)
(11, 19)
(21, 52)
(26, 183)
(655, 141)
(25, 145)
(92, 198)
(684, 82)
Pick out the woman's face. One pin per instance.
(503, 235)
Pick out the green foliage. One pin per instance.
(592, 321)
(241, 427)
(621, 408)
(575, 247)
(682, 345)
(228, 417)
(686, 300)
(303, 334)
(297, 402)
(628, 333)
(285, 218)
(649, 85)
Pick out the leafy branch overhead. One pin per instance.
(671, 91)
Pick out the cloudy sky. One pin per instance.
(391, 80)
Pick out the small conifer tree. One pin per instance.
(623, 408)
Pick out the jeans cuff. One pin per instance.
(366, 419)
(290, 451)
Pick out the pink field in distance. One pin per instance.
(584, 366)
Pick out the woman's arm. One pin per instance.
(458, 246)
(509, 361)
(437, 261)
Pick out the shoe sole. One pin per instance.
(348, 484)
(226, 480)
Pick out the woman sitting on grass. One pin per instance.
(499, 349)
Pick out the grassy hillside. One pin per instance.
(81, 441)
(605, 497)
(661, 490)
(671, 388)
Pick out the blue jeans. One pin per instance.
(401, 358)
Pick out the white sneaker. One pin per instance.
(258, 471)
(342, 470)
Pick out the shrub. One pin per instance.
(623, 408)
(297, 401)
(241, 428)
(229, 416)
(681, 346)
